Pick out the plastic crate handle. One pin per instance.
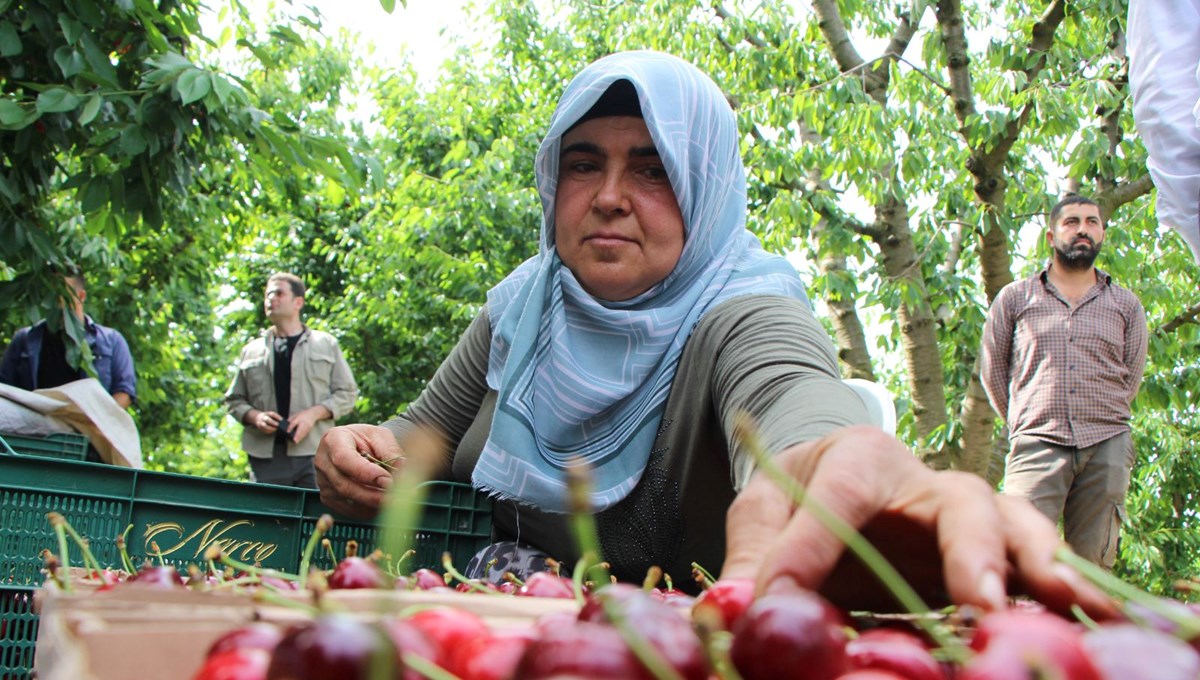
(8, 448)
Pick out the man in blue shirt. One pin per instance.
(37, 357)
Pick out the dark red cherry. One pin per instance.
(256, 635)
(545, 584)
(354, 573)
(795, 635)
(331, 646)
(728, 598)
(235, 664)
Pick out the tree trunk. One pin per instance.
(918, 327)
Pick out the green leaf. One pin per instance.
(69, 61)
(10, 42)
(388, 6)
(71, 28)
(133, 141)
(11, 112)
(223, 88)
(95, 195)
(57, 100)
(90, 109)
(193, 85)
(170, 62)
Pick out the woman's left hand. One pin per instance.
(948, 533)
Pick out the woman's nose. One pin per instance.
(612, 195)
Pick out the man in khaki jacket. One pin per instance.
(292, 383)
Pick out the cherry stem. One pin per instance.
(653, 575)
(746, 432)
(583, 523)
(650, 658)
(408, 554)
(64, 565)
(426, 667)
(577, 580)
(89, 560)
(1188, 625)
(448, 565)
(401, 511)
(716, 644)
(215, 553)
(706, 578)
(123, 548)
(324, 524)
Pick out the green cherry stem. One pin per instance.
(324, 524)
(583, 523)
(64, 566)
(1189, 625)
(448, 565)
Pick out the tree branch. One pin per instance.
(954, 38)
(1120, 194)
(1188, 316)
(725, 15)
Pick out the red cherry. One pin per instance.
(257, 635)
(894, 651)
(872, 674)
(1017, 644)
(157, 577)
(664, 627)
(582, 649)
(448, 629)
(428, 579)
(795, 635)
(675, 598)
(545, 584)
(355, 573)
(235, 664)
(730, 598)
(408, 639)
(329, 646)
(494, 657)
(1130, 652)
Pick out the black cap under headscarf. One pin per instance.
(620, 99)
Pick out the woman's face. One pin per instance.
(618, 227)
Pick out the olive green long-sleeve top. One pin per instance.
(766, 355)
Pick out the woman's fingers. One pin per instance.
(948, 533)
(1032, 541)
(350, 479)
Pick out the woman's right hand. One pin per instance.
(350, 475)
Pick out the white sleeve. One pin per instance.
(1163, 41)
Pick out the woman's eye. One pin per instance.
(655, 172)
(582, 166)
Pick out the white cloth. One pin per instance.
(1163, 42)
(86, 406)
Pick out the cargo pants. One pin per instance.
(1085, 488)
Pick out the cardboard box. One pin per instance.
(150, 634)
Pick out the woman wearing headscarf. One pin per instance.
(648, 321)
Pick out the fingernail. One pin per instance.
(782, 585)
(991, 589)
(383, 481)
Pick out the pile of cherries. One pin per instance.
(628, 632)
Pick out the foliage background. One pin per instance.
(904, 154)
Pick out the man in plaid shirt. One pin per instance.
(1063, 355)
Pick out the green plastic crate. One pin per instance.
(184, 515)
(18, 632)
(68, 445)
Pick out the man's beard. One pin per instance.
(1077, 258)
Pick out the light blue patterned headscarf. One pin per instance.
(585, 379)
